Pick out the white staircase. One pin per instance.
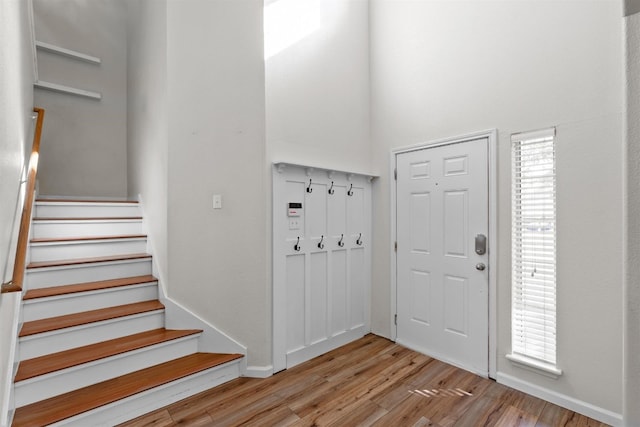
(93, 347)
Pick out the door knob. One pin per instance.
(480, 266)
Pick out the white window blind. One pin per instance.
(534, 246)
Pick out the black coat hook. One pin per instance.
(297, 246)
(359, 240)
(350, 192)
(331, 190)
(340, 242)
(309, 189)
(320, 244)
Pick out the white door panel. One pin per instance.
(321, 262)
(442, 298)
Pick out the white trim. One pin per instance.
(492, 137)
(533, 365)
(280, 166)
(392, 249)
(259, 371)
(32, 36)
(493, 251)
(47, 47)
(9, 370)
(534, 134)
(54, 87)
(178, 316)
(575, 405)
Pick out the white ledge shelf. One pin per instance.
(54, 87)
(67, 52)
(281, 166)
(533, 365)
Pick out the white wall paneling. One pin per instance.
(321, 261)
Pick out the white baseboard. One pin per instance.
(9, 325)
(259, 371)
(584, 408)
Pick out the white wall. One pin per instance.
(215, 77)
(632, 307)
(147, 120)
(631, 7)
(84, 150)
(441, 69)
(16, 109)
(317, 89)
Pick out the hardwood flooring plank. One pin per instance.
(53, 362)
(85, 399)
(365, 390)
(281, 416)
(87, 238)
(90, 260)
(553, 416)
(87, 286)
(371, 382)
(253, 412)
(364, 413)
(408, 412)
(159, 418)
(69, 320)
(514, 417)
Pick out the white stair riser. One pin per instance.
(46, 277)
(53, 342)
(43, 308)
(85, 249)
(36, 389)
(78, 210)
(57, 229)
(142, 403)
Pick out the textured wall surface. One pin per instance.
(16, 109)
(440, 69)
(147, 121)
(215, 78)
(84, 148)
(632, 309)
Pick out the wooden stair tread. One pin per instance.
(87, 238)
(69, 320)
(89, 218)
(86, 287)
(79, 261)
(85, 399)
(77, 356)
(67, 200)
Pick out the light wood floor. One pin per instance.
(371, 382)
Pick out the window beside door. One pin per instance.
(533, 239)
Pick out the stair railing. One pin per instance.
(15, 285)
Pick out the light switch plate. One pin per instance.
(217, 201)
(294, 223)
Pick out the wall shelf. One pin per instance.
(47, 47)
(54, 87)
(281, 166)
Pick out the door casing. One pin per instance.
(492, 136)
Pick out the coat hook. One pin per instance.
(331, 190)
(297, 247)
(309, 189)
(340, 242)
(321, 245)
(350, 192)
(359, 240)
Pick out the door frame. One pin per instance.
(492, 156)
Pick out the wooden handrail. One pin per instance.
(15, 285)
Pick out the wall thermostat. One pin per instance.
(294, 209)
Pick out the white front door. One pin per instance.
(442, 283)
